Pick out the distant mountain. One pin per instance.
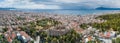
(105, 8)
(7, 8)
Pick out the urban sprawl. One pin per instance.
(31, 27)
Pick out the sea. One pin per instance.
(69, 11)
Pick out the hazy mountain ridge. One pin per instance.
(105, 8)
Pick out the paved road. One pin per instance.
(38, 39)
(107, 40)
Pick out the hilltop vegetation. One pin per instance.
(69, 37)
(112, 22)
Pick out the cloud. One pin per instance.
(59, 4)
(112, 3)
(93, 3)
(68, 1)
(26, 4)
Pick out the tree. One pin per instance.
(117, 40)
(3, 39)
(54, 40)
(16, 41)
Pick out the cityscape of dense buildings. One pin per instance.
(31, 27)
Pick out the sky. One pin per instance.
(59, 4)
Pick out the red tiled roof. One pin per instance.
(108, 35)
(9, 39)
(24, 34)
(13, 35)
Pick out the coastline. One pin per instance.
(68, 12)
